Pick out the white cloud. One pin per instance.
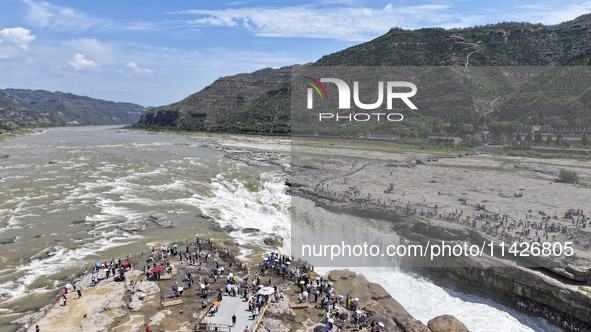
(352, 24)
(554, 13)
(138, 71)
(93, 48)
(359, 23)
(19, 37)
(14, 40)
(45, 15)
(79, 62)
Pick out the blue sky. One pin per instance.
(155, 52)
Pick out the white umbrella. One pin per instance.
(180, 289)
(330, 320)
(228, 287)
(304, 294)
(381, 324)
(69, 287)
(266, 291)
(203, 286)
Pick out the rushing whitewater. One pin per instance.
(70, 195)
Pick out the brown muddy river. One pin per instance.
(66, 193)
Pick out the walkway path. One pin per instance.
(232, 305)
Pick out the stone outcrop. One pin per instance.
(373, 297)
(161, 220)
(273, 240)
(142, 293)
(341, 274)
(132, 227)
(446, 323)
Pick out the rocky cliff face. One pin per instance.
(557, 289)
(214, 107)
(39, 108)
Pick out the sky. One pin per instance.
(155, 52)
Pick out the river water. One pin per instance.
(65, 194)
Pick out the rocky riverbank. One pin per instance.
(104, 301)
(417, 207)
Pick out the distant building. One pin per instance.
(501, 139)
(444, 140)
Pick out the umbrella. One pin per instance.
(381, 324)
(283, 265)
(464, 194)
(180, 288)
(320, 328)
(435, 177)
(485, 201)
(330, 320)
(69, 287)
(202, 286)
(302, 282)
(343, 316)
(158, 268)
(97, 264)
(216, 303)
(266, 291)
(288, 262)
(522, 189)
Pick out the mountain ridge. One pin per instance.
(42, 108)
(501, 44)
